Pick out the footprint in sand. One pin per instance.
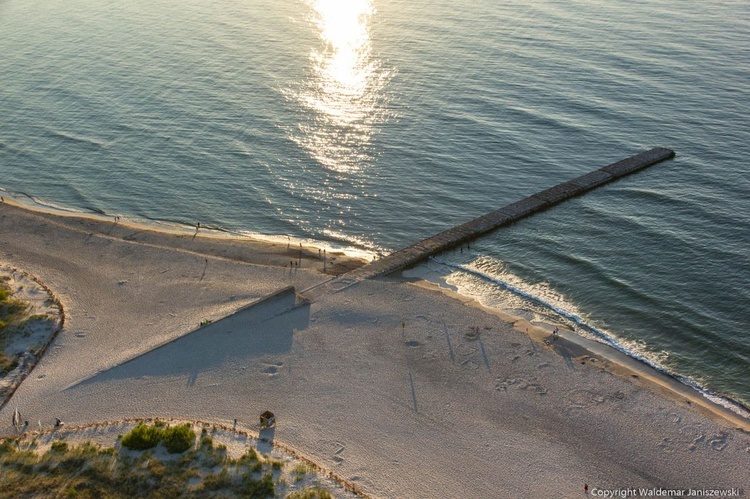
(692, 438)
(470, 364)
(698, 440)
(667, 445)
(668, 417)
(502, 384)
(674, 418)
(337, 455)
(272, 369)
(581, 399)
(719, 442)
(716, 442)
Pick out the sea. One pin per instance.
(370, 124)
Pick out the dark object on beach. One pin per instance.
(267, 420)
(58, 423)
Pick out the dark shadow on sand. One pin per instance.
(265, 440)
(260, 329)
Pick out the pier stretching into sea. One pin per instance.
(466, 232)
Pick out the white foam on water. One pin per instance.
(487, 280)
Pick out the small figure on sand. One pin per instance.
(58, 423)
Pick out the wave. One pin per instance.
(91, 142)
(567, 311)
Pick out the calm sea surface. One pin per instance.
(374, 123)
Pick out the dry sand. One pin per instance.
(427, 409)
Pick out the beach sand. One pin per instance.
(402, 390)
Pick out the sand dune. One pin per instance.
(456, 402)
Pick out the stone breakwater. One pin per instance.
(455, 236)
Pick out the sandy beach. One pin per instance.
(402, 389)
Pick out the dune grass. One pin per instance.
(86, 470)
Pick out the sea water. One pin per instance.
(374, 123)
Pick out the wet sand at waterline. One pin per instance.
(403, 390)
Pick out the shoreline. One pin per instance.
(352, 256)
(624, 364)
(380, 383)
(613, 360)
(259, 249)
(616, 353)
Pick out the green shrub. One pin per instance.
(277, 464)
(217, 481)
(7, 447)
(61, 447)
(259, 488)
(178, 439)
(142, 437)
(249, 457)
(7, 364)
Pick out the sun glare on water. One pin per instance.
(343, 93)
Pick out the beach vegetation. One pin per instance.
(8, 363)
(88, 470)
(207, 442)
(59, 447)
(178, 439)
(12, 310)
(300, 471)
(142, 437)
